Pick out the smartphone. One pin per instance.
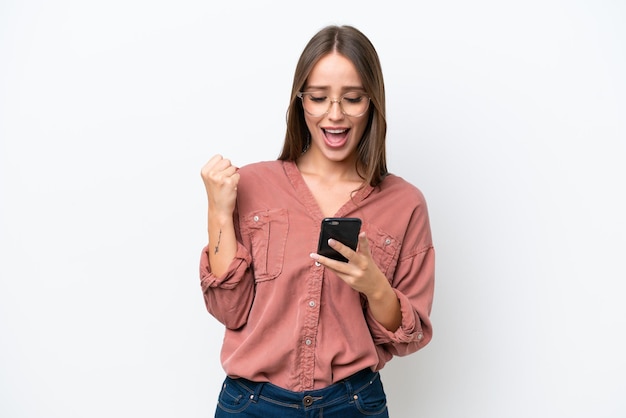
(344, 230)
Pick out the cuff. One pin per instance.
(409, 330)
(233, 274)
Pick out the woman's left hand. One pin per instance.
(363, 275)
(360, 272)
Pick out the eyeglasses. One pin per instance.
(353, 104)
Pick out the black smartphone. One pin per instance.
(344, 230)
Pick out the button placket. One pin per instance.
(310, 323)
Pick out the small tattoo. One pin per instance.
(219, 238)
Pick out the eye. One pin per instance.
(317, 99)
(354, 98)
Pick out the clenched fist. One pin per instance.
(220, 180)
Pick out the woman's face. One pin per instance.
(334, 134)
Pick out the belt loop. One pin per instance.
(348, 384)
(257, 392)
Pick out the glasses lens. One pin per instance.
(318, 104)
(315, 104)
(354, 104)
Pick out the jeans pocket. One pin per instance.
(371, 399)
(234, 397)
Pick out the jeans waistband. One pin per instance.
(337, 392)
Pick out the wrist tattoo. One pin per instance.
(219, 238)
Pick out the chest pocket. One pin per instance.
(385, 249)
(267, 234)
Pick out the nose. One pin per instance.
(335, 112)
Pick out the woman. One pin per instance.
(306, 335)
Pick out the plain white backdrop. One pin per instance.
(509, 116)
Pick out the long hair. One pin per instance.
(355, 46)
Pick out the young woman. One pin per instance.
(305, 334)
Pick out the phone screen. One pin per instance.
(344, 230)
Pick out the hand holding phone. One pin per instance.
(344, 230)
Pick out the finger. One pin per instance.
(229, 172)
(342, 249)
(214, 159)
(364, 245)
(338, 266)
(223, 164)
(209, 165)
(230, 182)
(214, 162)
(218, 168)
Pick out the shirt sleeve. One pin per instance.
(414, 287)
(228, 297)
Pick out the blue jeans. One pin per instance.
(360, 395)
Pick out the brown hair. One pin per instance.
(355, 46)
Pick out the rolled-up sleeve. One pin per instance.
(228, 297)
(414, 288)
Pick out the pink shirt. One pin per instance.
(296, 324)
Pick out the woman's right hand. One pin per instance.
(220, 180)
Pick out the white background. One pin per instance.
(509, 116)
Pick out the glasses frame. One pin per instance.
(330, 105)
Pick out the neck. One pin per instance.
(322, 167)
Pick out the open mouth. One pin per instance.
(335, 138)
